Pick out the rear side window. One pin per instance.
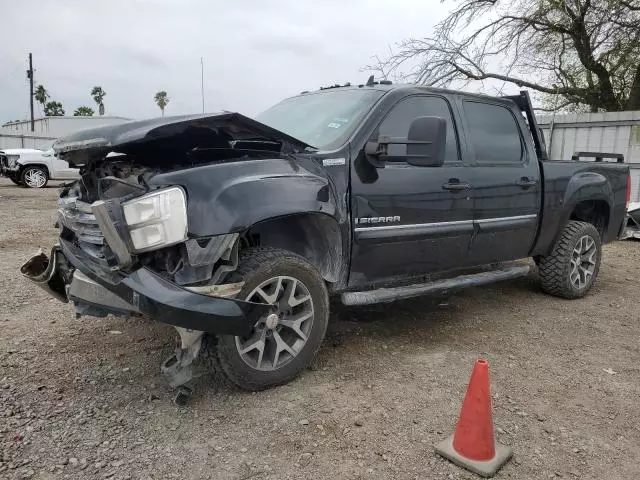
(397, 122)
(494, 133)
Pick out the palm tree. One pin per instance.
(41, 95)
(161, 100)
(83, 111)
(98, 95)
(53, 109)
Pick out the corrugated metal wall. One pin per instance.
(635, 183)
(611, 132)
(46, 130)
(59, 126)
(25, 141)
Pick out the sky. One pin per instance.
(255, 52)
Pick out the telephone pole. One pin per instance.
(30, 77)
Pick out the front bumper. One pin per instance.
(8, 172)
(139, 292)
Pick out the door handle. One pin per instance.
(524, 182)
(456, 186)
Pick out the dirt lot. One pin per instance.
(85, 398)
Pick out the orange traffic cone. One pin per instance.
(472, 445)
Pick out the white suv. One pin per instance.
(34, 168)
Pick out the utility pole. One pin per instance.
(30, 77)
(202, 81)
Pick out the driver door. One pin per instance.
(410, 220)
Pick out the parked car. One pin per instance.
(34, 168)
(632, 229)
(237, 231)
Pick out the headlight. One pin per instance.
(157, 219)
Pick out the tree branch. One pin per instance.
(586, 51)
(519, 82)
(554, 109)
(633, 8)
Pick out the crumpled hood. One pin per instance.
(182, 132)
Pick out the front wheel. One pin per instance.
(572, 267)
(14, 180)
(286, 340)
(34, 177)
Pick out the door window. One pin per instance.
(494, 133)
(397, 122)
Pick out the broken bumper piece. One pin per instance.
(69, 275)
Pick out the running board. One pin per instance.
(440, 286)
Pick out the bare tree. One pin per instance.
(575, 53)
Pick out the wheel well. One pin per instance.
(44, 167)
(314, 236)
(595, 212)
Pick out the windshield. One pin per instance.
(324, 119)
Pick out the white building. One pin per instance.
(48, 129)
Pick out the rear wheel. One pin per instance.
(34, 177)
(286, 340)
(572, 267)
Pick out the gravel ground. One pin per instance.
(85, 398)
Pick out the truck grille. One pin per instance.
(8, 161)
(76, 216)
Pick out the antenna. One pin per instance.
(370, 82)
(202, 81)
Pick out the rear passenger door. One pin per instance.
(505, 177)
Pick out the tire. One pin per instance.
(560, 272)
(15, 180)
(253, 370)
(34, 177)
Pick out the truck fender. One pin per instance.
(584, 186)
(28, 163)
(229, 198)
(314, 236)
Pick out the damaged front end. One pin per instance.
(193, 311)
(125, 246)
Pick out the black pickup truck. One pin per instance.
(237, 231)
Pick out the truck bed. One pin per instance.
(563, 183)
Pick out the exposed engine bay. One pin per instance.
(117, 164)
(199, 262)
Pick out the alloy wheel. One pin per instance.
(35, 178)
(583, 262)
(279, 337)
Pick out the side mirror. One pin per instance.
(428, 137)
(426, 144)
